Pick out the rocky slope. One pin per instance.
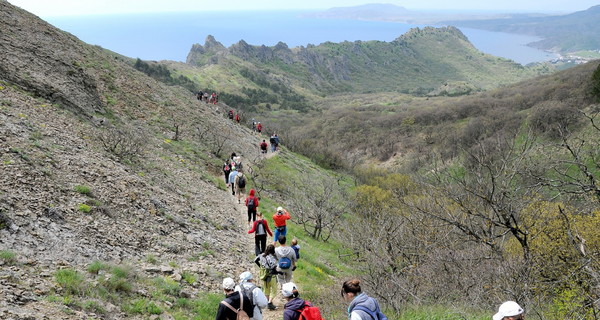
(162, 211)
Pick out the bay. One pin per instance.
(170, 36)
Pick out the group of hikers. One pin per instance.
(277, 261)
(208, 98)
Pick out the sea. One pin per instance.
(170, 36)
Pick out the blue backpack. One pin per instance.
(376, 315)
(285, 263)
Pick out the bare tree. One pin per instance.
(318, 204)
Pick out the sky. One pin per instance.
(51, 8)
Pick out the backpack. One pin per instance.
(242, 182)
(226, 168)
(285, 263)
(251, 204)
(376, 315)
(248, 292)
(309, 312)
(260, 228)
(241, 314)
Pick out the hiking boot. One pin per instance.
(271, 306)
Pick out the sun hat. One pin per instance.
(279, 209)
(287, 289)
(508, 309)
(245, 276)
(228, 284)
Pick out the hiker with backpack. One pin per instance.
(268, 272)
(259, 127)
(254, 293)
(232, 179)
(362, 307)
(240, 185)
(252, 204)
(260, 228)
(286, 261)
(273, 143)
(226, 171)
(263, 146)
(235, 304)
(279, 218)
(296, 308)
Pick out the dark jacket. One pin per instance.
(291, 307)
(224, 313)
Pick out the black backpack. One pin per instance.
(242, 182)
(251, 203)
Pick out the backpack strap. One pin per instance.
(229, 306)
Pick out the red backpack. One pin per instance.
(309, 312)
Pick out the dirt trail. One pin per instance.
(242, 220)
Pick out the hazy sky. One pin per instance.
(46, 8)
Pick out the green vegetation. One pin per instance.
(84, 208)
(83, 190)
(8, 257)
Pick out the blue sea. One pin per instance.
(170, 36)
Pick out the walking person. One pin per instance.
(268, 271)
(279, 218)
(232, 175)
(254, 293)
(286, 261)
(362, 307)
(296, 308)
(252, 204)
(263, 146)
(240, 184)
(509, 310)
(226, 171)
(232, 302)
(260, 228)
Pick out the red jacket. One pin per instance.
(265, 224)
(251, 195)
(279, 219)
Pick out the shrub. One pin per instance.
(83, 190)
(70, 280)
(8, 257)
(96, 266)
(84, 208)
(126, 143)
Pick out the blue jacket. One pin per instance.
(291, 306)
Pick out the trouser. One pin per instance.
(285, 276)
(270, 288)
(233, 189)
(251, 214)
(260, 243)
(279, 233)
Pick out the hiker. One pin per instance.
(199, 95)
(228, 307)
(272, 142)
(253, 125)
(509, 310)
(237, 117)
(276, 142)
(252, 203)
(263, 146)
(296, 308)
(268, 272)
(214, 98)
(259, 127)
(296, 247)
(260, 228)
(240, 184)
(206, 97)
(286, 261)
(279, 219)
(226, 171)
(254, 293)
(237, 160)
(230, 114)
(362, 307)
(232, 175)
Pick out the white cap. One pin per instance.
(279, 209)
(508, 309)
(245, 276)
(287, 289)
(228, 284)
